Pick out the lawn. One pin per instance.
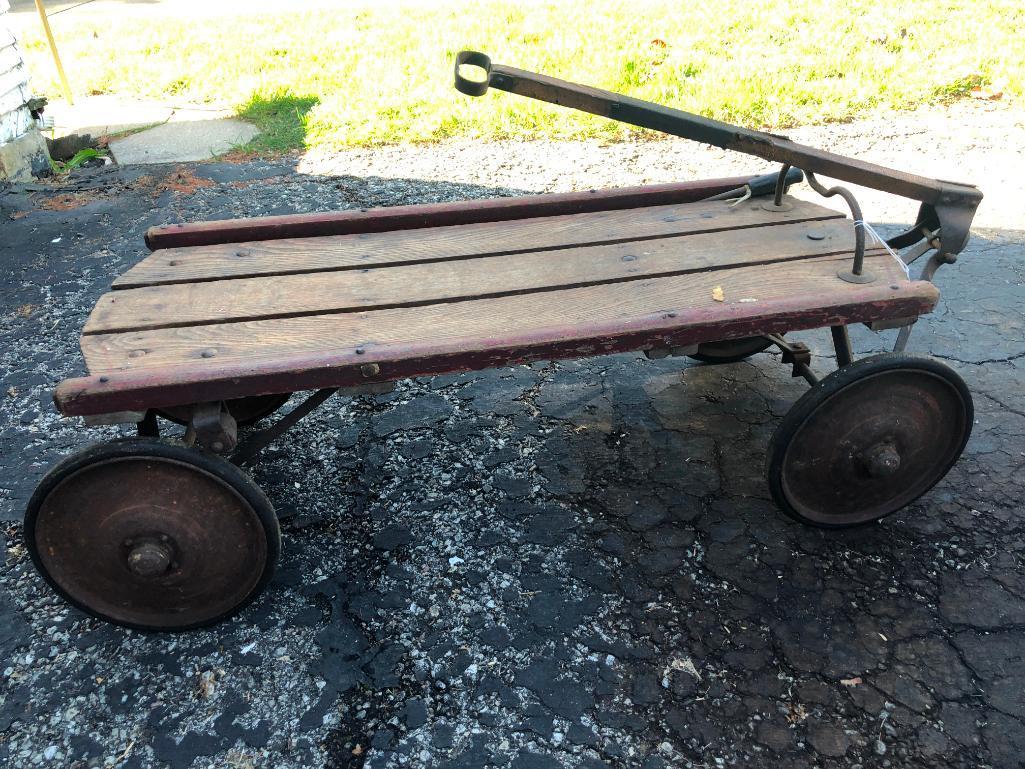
(376, 73)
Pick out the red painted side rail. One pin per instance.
(171, 386)
(434, 214)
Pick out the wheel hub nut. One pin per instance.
(149, 559)
(882, 460)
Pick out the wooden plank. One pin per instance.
(385, 335)
(330, 292)
(312, 352)
(347, 252)
(434, 214)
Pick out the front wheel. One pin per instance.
(152, 535)
(869, 439)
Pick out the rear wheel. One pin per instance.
(152, 535)
(246, 411)
(730, 350)
(868, 440)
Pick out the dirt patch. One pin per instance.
(65, 201)
(181, 180)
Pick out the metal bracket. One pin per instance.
(796, 354)
(212, 427)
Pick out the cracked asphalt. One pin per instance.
(570, 564)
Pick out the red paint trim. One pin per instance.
(433, 214)
(172, 386)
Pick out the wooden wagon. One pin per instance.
(223, 321)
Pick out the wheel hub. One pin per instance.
(881, 460)
(149, 559)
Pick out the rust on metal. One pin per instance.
(150, 542)
(212, 427)
(901, 429)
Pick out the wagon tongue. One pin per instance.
(947, 206)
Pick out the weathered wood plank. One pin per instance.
(347, 252)
(434, 214)
(802, 289)
(329, 292)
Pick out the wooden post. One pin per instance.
(53, 50)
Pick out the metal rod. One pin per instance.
(859, 229)
(902, 338)
(807, 373)
(53, 50)
(781, 185)
(257, 442)
(842, 345)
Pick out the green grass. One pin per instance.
(381, 73)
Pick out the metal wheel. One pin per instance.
(246, 411)
(152, 535)
(730, 350)
(869, 439)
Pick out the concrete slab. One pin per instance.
(108, 114)
(177, 142)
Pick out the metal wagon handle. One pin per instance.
(473, 59)
(946, 206)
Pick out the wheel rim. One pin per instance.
(874, 446)
(150, 542)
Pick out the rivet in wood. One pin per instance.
(136, 353)
(816, 235)
(174, 263)
(104, 379)
(242, 253)
(360, 351)
(895, 287)
(370, 369)
(208, 353)
(629, 258)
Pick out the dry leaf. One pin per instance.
(851, 681)
(986, 94)
(718, 295)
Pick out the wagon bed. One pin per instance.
(211, 322)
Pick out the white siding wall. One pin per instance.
(15, 119)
